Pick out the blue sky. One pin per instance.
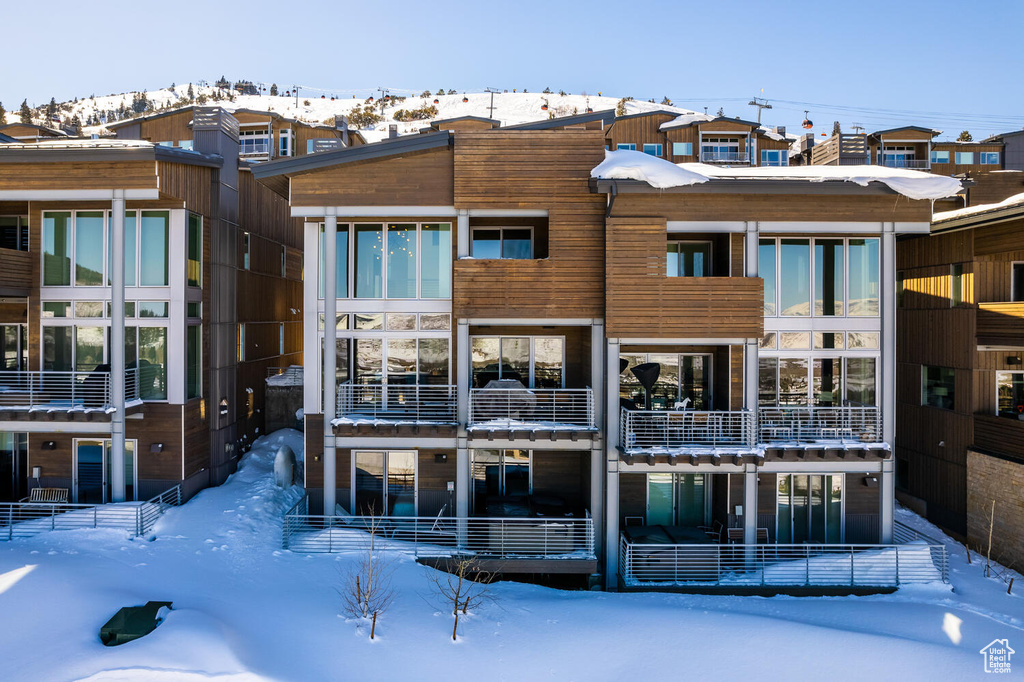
(946, 64)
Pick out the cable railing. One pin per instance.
(778, 565)
(518, 408)
(819, 424)
(649, 429)
(62, 390)
(421, 403)
(440, 536)
(27, 519)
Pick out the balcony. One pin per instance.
(51, 393)
(910, 164)
(724, 157)
(1000, 323)
(650, 431)
(391, 405)
(507, 412)
(819, 425)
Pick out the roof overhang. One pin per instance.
(84, 154)
(976, 220)
(741, 186)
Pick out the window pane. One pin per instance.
(938, 387)
(153, 309)
(956, 295)
(485, 361)
(517, 243)
(369, 361)
(401, 261)
(828, 276)
(1010, 394)
(89, 248)
(767, 376)
(193, 347)
(153, 363)
(515, 360)
(694, 259)
(433, 355)
(828, 382)
(401, 361)
(486, 244)
(195, 250)
(828, 339)
(436, 261)
(672, 259)
(369, 263)
(88, 348)
(547, 363)
(88, 309)
(864, 272)
(769, 340)
(796, 276)
(766, 270)
(371, 321)
(792, 381)
(398, 322)
(863, 340)
(695, 381)
(57, 349)
(666, 390)
(341, 262)
(56, 249)
(153, 238)
(435, 321)
(860, 381)
(794, 340)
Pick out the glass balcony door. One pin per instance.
(809, 509)
(92, 474)
(385, 482)
(677, 500)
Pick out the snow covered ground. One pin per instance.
(245, 610)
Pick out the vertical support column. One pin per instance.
(601, 414)
(463, 361)
(750, 504)
(462, 234)
(751, 268)
(887, 300)
(888, 503)
(611, 546)
(117, 368)
(330, 358)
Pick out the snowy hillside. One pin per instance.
(319, 107)
(244, 610)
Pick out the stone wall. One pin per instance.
(993, 478)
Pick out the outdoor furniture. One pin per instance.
(47, 496)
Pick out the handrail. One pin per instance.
(794, 565)
(70, 391)
(724, 157)
(421, 403)
(819, 424)
(519, 408)
(645, 429)
(434, 536)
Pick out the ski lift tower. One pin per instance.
(490, 109)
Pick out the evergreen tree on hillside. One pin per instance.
(25, 114)
(439, 92)
(720, 113)
(191, 93)
(3, 114)
(836, 129)
(76, 125)
(273, 89)
(965, 136)
(51, 109)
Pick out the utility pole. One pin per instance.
(490, 109)
(383, 94)
(296, 89)
(761, 104)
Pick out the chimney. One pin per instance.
(341, 123)
(392, 131)
(781, 130)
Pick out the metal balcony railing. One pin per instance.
(491, 538)
(804, 565)
(818, 424)
(421, 403)
(918, 164)
(648, 429)
(26, 519)
(62, 390)
(724, 157)
(527, 407)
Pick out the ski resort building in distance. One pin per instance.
(171, 265)
(543, 345)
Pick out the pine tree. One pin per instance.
(836, 129)
(965, 136)
(620, 108)
(3, 114)
(25, 113)
(720, 113)
(51, 109)
(191, 93)
(273, 89)
(76, 124)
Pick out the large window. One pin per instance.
(57, 249)
(720, 149)
(14, 347)
(938, 387)
(153, 241)
(965, 158)
(502, 242)
(89, 236)
(817, 381)
(253, 142)
(628, 146)
(502, 482)
(194, 362)
(436, 261)
(195, 250)
(774, 157)
(940, 157)
(14, 233)
(689, 259)
(653, 149)
(386, 482)
(535, 361)
(401, 261)
(1010, 394)
(989, 158)
(844, 279)
(682, 149)
(684, 379)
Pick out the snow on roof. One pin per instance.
(661, 174)
(685, 120)
(1015, 200)
(656, 172)
(103, 143)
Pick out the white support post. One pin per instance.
(330, 358)
(750, 375)
(611, 545)
(601, 414)
(462, 234)
(462, 381)
(888, 322)
(750, 504)
(117, 363)
(888, 503)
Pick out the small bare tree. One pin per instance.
(366, 590)
(459, 582)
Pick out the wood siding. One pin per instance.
(642, 301)
(419, 179)
(79, 175)
(16, 272)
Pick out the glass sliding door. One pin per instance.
(385, 482)
(660, 502)
(502, 482)
(676, 500)
(547, 362)
(828, 382)
(809, 508)
(129, 468)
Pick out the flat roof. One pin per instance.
(107, 149)
(606, 116)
